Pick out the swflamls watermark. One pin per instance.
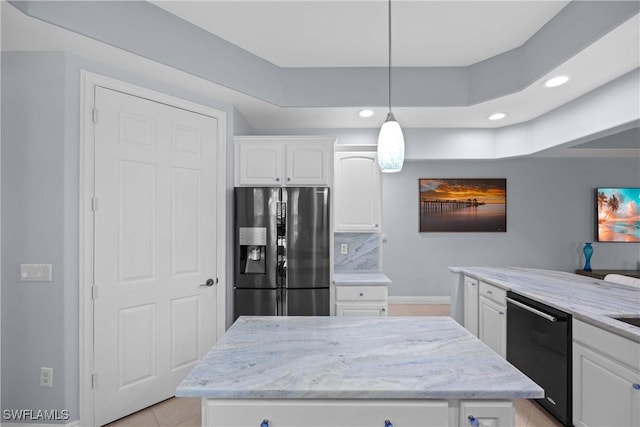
(35, 415)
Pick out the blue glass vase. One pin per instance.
(588, 251)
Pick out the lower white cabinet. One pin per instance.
(606, 378)
(354, 413)
(492, 316)
(361, 300)
(487, 414)
(471, 304)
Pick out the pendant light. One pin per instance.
(390, 138)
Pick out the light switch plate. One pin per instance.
(36, 272)
(344, 249)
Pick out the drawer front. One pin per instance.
(361, 293)
(495, 293)
(315, 413)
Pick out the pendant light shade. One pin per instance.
(390, 145)
(390, 138)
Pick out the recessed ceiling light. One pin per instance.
(497, 116)
(556, 81)
(365, 113)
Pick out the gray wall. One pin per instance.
(40, 188)
(550, 214)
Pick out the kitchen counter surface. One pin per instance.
(586, 298)
(354, 358)
(361, 279)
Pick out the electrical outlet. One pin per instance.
(344, 248)
(46, 377)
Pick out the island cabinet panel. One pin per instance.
(487, 414)
(606, 378)
(324, 413)
(471, 304)
(492, 310)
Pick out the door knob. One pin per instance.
(209, 282)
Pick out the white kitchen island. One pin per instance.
(343, 371)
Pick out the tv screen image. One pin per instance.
(618, 214)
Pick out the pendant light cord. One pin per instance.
(389, 15)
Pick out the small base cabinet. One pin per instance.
(354, 413)
(492, 314)
(606, 378)
(361, 301)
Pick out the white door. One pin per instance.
(155, 243)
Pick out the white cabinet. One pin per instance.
(354, 413)
(358, 191)
(487, 413)
(471, 304)
(606, 378)
(492, 316)
(283, 160)
(361, 300)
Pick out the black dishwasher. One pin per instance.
(539, 345)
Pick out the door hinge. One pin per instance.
(94, 204)
(94, 381)
(94, 292)
(94, 115)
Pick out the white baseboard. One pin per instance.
(420, 300)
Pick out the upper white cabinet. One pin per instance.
(358, 191)
(274, 161)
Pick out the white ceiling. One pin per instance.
(334, 33)
(337, 33)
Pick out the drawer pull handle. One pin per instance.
(490, 292)
(361, 294)
(264, 423)
(387, 423)
(636, 386)
(473, 421)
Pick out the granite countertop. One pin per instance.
(361, 279)
(586, 298)
(354, 358)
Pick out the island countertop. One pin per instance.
(353, 358)
(586, 298)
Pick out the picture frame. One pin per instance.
(462, 204)
(617, 214)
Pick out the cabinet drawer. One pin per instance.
(492, 292)
(361, 293)
(315, 413)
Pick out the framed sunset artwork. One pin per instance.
(618, 214)
(463, 204)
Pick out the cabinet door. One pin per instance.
(258, 164)
(471, 305)
(358, 192)
(361, 309)
(318, 413)
(308, 164)
(605, 392)
(493, 325)
(488, 414)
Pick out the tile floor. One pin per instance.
(185, 412)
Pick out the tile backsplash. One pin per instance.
(363, 252)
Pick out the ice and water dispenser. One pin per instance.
(253, 249)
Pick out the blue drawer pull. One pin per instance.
(473, 421)
(636, 386)
(265, 423)
(387, 423)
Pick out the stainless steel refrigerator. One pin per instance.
(281, 251)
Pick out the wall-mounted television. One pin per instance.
(618, 214)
